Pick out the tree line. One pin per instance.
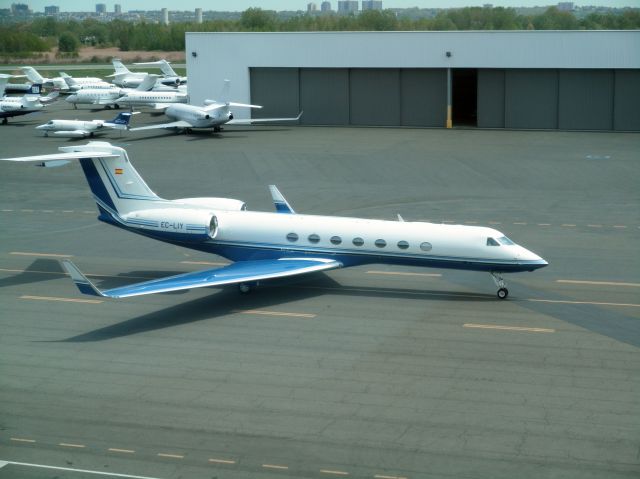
(41, 34)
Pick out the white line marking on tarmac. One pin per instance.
(124, 451)
(335, 473)
(84, 471)
(64, 300)
(401, 273)
(66, 444)
(221, 461)
(275, 466)
(380, 476)
(20, 253)
(595, 303)
(509, 328)
(171, 456)
(598, 283)
(274, 313)
(19, 439)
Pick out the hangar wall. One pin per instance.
(539, 80)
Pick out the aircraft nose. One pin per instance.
(532, 258)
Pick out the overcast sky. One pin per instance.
(240, 5)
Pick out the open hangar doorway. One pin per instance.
(464, 97)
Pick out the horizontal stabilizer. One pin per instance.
(173, 124)
(235, 273)
(243, 105)
(74, 155)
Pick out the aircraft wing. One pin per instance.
(252, 121)
(173, 124)
(235, 273)
(104, 101)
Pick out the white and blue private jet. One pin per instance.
(266, 245)
(82, 128)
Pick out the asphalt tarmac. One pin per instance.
(371, 372)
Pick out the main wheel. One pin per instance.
(244, 288)
(503, 293)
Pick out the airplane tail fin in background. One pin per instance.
(70, 81)
(148, 83)
(119, 67)
(120, 122)
(166, 69)
(33, 75)
(225, 92)
(117, 187)
(35, 89)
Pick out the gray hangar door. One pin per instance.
(531, 99)
(423, 95)
(585, 100)
(491, 98)
(374, 97)
(276, 89)
(627, 100)
(324, 96)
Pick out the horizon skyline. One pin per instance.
(289, 5)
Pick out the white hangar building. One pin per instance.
(566, 80)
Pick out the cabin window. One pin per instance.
(426, 246)
(293, 237)
(380, 243)
(314, 238)
(403, 244)
(492, 242)
(336, 240)
(505, 241)
(358, 241)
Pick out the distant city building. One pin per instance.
(52, 10)
(165, 16)
(20, 9)
(311, 7)
(487, 5)
(198, 15)
(371, 5)
(101, 8)
(117, 9)
(325, 7)
(565, 6)
(348, 6)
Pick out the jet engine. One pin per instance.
(199, 225)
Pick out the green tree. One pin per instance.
(258, 20)
(68, 43)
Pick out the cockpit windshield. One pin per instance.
(503, 240)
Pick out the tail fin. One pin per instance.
(33, 75)
(225, 92)
(34, 89)
(117, 187)
(166, 69)
(120, 122)
(70, 81)
(119, 67)
(148, 83)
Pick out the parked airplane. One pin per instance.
(6, 87)
(83, 83)
(82, 129)
(23, 105)
(169, 76)
(272, 245)
(124, 77)
(106, 96)
(213, 114)
(158, 100)
(35, 77)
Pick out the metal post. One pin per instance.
(449, 120)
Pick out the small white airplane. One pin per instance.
(32, 102)
(265, 245)
(82, 129)
(106, 96)
(6, 87)
(213, 114)
(169, 76)
(124, 77)
(57, 82)
(158, 100)
(83, 83)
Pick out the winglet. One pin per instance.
(84, 285)
(400, 218)
(279, 201)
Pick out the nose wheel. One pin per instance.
(503, 292)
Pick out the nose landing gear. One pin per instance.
(503, 292)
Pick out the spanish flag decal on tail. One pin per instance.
(118, 171)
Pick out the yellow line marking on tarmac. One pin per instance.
(598, 283)
(568, 225)
(494, 223)
(204, 262)
(66, 444)
(27, 211)
(124, 451)
(380, 476)
(619, 226)
(594, 226)
(20, 253)
(273, 313)
(594, 303)
(401, 273)
(67, 211)
(221, 461)
(172, 456)
(336, 473)
(20, 439)
(64, 300)
(47, 211)
(509, 328)
(7, 211)
(544, 224)
(275, 466)
(523, 224)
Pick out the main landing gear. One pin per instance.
(503, 292)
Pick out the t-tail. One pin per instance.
(117, 187)
(119, 67)
(120, 122)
